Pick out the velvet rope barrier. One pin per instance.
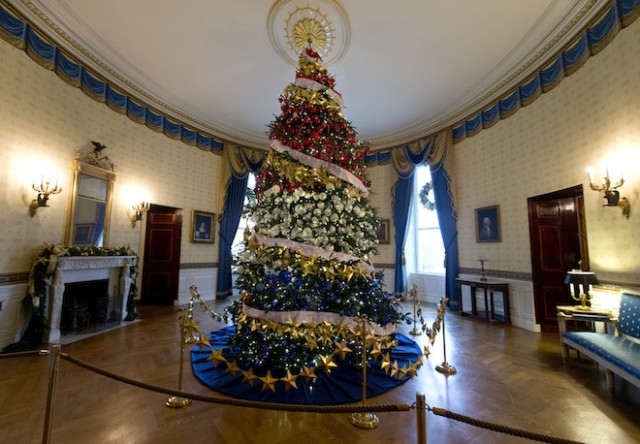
(241, 402)
(25, 353)
(500, 428)
(301, 407)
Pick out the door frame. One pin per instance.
(144, 240)
(577, 193)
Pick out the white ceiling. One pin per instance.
(412, 66)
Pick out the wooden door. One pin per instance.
(161, 267)
(558, 244)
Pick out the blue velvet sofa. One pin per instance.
(619, 353)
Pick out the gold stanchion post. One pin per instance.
(186, 329)
(51, 392)
(421, 418)
(364, 420)
(416, 308)
(445, 368)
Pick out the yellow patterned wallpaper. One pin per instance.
(591, 118)
(383, 178)
(44, 121)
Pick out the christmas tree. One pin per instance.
(310, 298)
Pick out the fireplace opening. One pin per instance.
(87, 307)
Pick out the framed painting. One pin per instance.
(203, 226)
(488, 224)
(382, 233)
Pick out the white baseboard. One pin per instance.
(431, 286)
(13, 318)
(204, 278)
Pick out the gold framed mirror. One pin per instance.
(90, 205)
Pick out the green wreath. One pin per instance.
(424, 196)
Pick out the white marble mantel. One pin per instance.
(83, 269)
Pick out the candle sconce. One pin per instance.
(611, 194)
(139, 209)
(44, 190)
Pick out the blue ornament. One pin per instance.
(284, 276)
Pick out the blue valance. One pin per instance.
(22, 35)
(12, 29)
(628, 11)
(530, 91)
(93, 87)
(154, 121)
(116, 101)
(136, 112)
(576, 56)
(378, 158)
(171, 129)
(42, 52)
(508, 106)
(490, 116)
(473, 125)
(617, 15)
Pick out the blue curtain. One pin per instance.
(433, 151)
(402, 192)
(242, 162)
(233, 205)
(447, 219)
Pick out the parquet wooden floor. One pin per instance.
(506, 375)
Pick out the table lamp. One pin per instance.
(580, 285)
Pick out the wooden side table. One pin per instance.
(489, 286)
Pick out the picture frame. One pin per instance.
(382, 233)
(203, 227)
(488, 227)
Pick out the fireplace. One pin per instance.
(111, 277)
(87, 307)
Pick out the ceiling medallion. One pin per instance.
(321, 25)
(309, 33)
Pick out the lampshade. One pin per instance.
(581, 277)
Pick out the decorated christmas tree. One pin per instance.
(311, 301)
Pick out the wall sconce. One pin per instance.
(611, 194)
(140, 208)
(580, 286)
(44, 190)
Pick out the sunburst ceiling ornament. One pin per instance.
(321, 25)
(309, 33)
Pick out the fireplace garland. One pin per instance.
(42, 270)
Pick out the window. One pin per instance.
(239, 237)
(429, 249)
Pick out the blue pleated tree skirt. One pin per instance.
(342, 385)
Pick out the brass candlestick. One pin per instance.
(482, 260)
